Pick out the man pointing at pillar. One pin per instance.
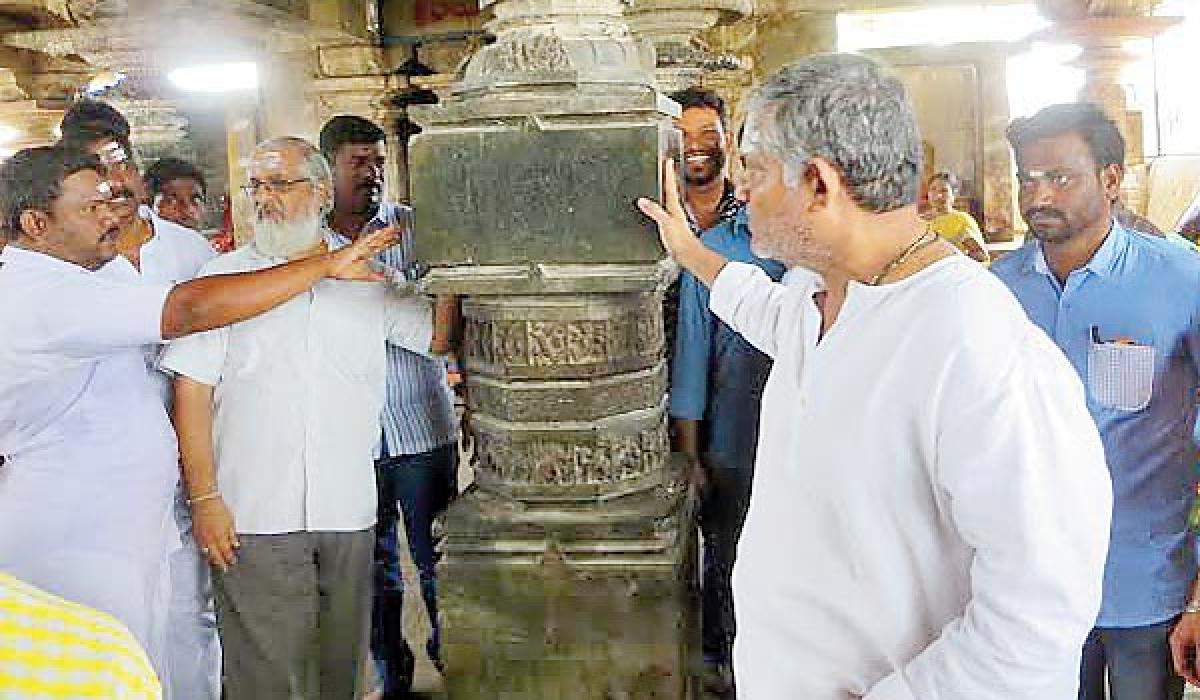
(86, 501)
(922, 525)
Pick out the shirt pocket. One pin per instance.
(1121, 375)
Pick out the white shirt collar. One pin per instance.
(32, 258)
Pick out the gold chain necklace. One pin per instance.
(927, 236)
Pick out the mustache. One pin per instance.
(1044, 212)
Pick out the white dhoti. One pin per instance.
(86, 512)
(193, 647)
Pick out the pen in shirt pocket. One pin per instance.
(1119, 340)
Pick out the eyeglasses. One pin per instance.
(254, 187)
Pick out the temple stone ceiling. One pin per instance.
(798, 6)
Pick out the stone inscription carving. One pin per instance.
(559, 343)
(510, 197)
(610, 459)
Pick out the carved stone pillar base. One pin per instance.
(570, 599)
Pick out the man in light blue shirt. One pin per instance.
(1125, 309)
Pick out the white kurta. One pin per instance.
(930, 512)
(90, 471)
(176, 254)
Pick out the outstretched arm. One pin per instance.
(212, 302)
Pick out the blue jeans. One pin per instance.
(723, 505)
(421, 485)
(1138, 660)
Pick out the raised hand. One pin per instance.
(673, 228)
(352, 262)
(676, 233)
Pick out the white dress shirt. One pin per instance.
(173, 254)
(930, 511)
(298, 394)
(90, 457)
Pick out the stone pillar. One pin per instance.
(673, 27)
(785, 34)
(1102, 29)
(355, 79)
(285, 81)
(32, 123)
(156, 129)
(566, 569)
(241, 136)
(737, 40)
(998, 194)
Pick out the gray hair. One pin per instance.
(315, 165)
(850, 110)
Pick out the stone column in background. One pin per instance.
(1103, 29)
(785, 34)
(241, 136)
(355, 79)
(567, 567)
(999, 195)
(673, 26)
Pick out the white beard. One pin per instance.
(287, 239)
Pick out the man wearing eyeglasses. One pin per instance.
(153, 250)
(1125, 309)
(88, 460)
(278, 421)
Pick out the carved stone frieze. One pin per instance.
(570, 458)
(526, 52)
(584, 399)
(609, 339)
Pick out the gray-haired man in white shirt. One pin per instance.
(278, 419)
(931, 506)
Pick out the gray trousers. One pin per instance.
(294, 615)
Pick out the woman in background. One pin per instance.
(955, 226)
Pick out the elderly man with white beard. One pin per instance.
(930, 508)
(278, 420)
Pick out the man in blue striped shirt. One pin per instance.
(417, 460)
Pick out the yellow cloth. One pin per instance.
(956, 227)
(52, 649)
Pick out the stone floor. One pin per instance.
(427, 682)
